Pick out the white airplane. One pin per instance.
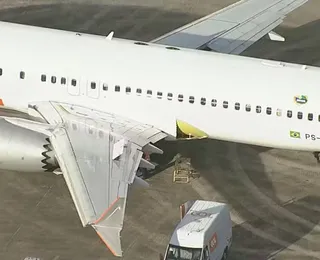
(89, 106)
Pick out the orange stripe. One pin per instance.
(104, 213)
(1, 102)
(112, 251)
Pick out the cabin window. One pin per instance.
(159, 94)
(128, 90)
(225, 104)
(105, 87)
(139, 90)
(93, 85)
(22, 74)
(170, 96)
(269, 110)
(0, 71)
(43, 78)
(63, 81)
(214, 102)
(180, 98)
(258, 109)
(289, 113)
(73, 82)
(53, 79)
(237, 106)
(191, 99)
(300, 115)
(117, 88)
(203, 101)
(149, 92)
(279, 112)
(248, 108)
(310, 116)
(319, 118)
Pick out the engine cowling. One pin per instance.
(25, 150)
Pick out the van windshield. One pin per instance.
(183, 253)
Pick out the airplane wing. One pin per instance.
(98, 154)
(234, 28)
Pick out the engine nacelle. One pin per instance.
(24, 150)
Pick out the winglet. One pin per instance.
(109, 226)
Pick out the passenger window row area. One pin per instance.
(191, 99)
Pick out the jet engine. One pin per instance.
(25, 150)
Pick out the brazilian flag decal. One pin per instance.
(295, 134)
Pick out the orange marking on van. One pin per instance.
(1, 102)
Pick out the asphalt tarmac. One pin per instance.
(273, 194)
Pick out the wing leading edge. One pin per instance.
(99, 154)
(234, 28)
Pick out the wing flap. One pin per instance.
(232, 29)
(97, 162)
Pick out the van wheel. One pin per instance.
(225, 254)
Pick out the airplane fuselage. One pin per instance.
(228, 97)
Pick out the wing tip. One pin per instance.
(113, 251)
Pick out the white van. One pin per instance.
(204, 232)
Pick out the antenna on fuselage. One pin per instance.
(110, 35)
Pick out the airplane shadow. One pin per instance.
(268, 225)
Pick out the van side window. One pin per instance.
(0, 71)
(159, 94)
(170, 96)
(128, 90)
(191, 99)
(139, 91)
(93, 85)
(180, 98)
(258, 109)
(63, 81)
(22, 74)
(105, 87)
(269, 111)
(149, 92)
(310, 116)
(205, 254)
(300, 115)
(43, 78)
(289, 113)
(214, 102)
(117, 88)
(248, 107)
(73, 82)
(203, 101)
(237, 106)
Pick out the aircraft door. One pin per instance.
(93, 88)
(74, 86)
